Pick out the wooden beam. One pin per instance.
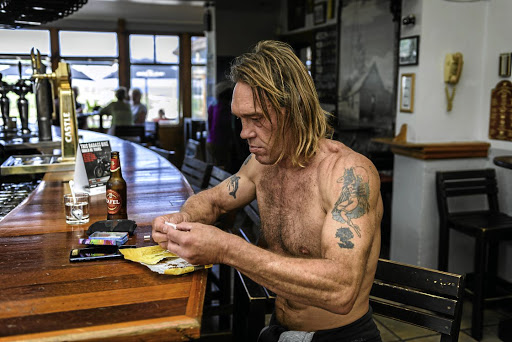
(124, 54)
(185, 76)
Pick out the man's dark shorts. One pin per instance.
(362, 330)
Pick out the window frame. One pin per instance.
(123, 58)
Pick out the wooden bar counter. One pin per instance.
(45, 297)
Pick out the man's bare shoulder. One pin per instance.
(337, 158)
(251, 168)
(334, 154)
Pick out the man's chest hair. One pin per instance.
(291, 213)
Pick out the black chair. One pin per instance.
(167, 154)
(251, 301)
(151, 133)
(217, 176)
(220, 276)
(196, 172)
(424, 297)
(420, 296)
(193, 149)
(134, 133)
(488, 226)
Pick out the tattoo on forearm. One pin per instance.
(353, 201)
(247, 159)
(233, 185)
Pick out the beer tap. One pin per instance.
(44, 98)
(5, 103)
(61, 83)
(22, 88)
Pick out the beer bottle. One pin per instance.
(116, 190)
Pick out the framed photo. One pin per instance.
(504, 64)
(409, 51)
(319, 13)
(407, 93)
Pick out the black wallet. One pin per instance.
(112, 226)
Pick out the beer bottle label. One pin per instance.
(114, 165)
(114, 201)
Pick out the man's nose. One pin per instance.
(246, 132)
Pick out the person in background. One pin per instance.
(161, 115)
(319, 203)
(119, 110)
(79, 106)
(139, 111)
(218, 143)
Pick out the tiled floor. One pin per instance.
(393, 331)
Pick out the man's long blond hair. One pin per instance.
(279, 80)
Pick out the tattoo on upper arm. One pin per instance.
(345, 235)
(233, 185)
(247, 159)
(352, 203)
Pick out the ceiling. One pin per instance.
(159, 11)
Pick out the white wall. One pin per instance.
(441, 34)
(480, 30)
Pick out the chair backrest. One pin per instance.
(249, 223)
(253, 213)
(466, 183)
(420, 296)
(197, 173)
(167, 154)
(151, 127)
(151, 133)
(217, 176)
(193, 149)
(135, 133)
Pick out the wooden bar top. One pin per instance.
(45, 297)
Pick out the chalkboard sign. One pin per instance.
(325, 67)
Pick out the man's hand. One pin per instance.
(197, 243)
(159, 229)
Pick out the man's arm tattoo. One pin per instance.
(233, 185)
(345, 235)
(352, 203)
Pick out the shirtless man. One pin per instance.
(319, 203)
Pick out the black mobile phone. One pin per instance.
(94, 253)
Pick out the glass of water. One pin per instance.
(77, 209)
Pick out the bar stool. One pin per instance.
(488, 227)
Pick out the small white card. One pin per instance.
(92, 167)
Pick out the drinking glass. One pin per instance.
(77, 209)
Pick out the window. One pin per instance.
(20, 42)
(154, 62)
(198, 57)
(15, 50)
(89, 44)
(155, 71)
(92, 57)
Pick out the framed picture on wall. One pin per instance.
(407, 93)
(409, 50)
(319, 13)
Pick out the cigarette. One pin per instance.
(171, 224)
